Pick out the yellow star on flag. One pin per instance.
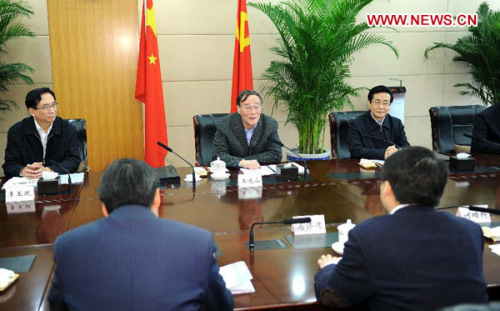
(152, 59)
(150, 19)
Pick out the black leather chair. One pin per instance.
(449, 124)
(339, 126)
(204, 133)
(81, 132)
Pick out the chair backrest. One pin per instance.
(449, 124)
(204, 133)
(339, 126)
(81, 133)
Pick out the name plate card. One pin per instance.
(249, 180)
(475, 216)
(316, 226)
(19, 194)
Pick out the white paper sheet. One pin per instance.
(237, 277)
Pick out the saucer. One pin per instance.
(220, 176)
(338, 248)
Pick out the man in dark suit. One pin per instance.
(245, 138)
(415, 258)
(487, 130)
(373, 134)
(42, 142)
(132, 260)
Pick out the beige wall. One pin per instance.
(36, 53)
(196, 41)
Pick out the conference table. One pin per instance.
(284, 277)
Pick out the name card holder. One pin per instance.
(249, 180)
(475, 216)
(19, 194)
(316, 226)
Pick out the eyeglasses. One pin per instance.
(47, 107)
(249, 108)
(379, 103)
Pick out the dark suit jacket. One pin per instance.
(362, 146)
(133, 260)
(25, 147)
(487, 127)
(230, 142)
(416, 259)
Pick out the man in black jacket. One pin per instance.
(486, 131)
(42, 142)
(376, 134)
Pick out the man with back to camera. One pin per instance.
(387, 132)
(487, 131)
(415, 258)
(244, 138)
(133, 260)
(42, 142)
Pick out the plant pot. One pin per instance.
(308, 157)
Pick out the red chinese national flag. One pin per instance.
(149, 90)
(242, 65)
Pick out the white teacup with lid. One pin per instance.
(218, 166)
(344, 230)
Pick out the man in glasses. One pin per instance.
(41, 142)
(247, 138)
(376, 134)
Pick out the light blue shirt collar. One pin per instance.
(379, 123)
(249, 133)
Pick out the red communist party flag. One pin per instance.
(242, 65)
(149, 90)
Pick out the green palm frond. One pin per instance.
(317, 41)
(480, 50)
(11, 28)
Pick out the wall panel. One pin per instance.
(94, 60)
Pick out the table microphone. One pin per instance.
(289, 221)
(481, 139)
(282, 145)
(192, 167)
(70, 185)
(390, 143)
(484, 210)
(475, 137)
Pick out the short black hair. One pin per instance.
(127, 182)
(245, 94)
(416, 176)
(35, 96)
(379, 89)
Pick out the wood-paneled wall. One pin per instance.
(94, 47)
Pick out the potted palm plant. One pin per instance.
(480, 50)
(317, 41)
(10, 28)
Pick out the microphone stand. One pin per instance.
(70, 184)
(390, 143)
(303, 160)
(192, 167)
